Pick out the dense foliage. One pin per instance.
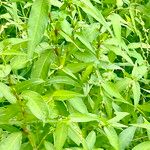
(74, 75)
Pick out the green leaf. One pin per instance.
(37, 23)
(36, 104)
(119, 3)
(78, 117)
(19, 62)
(65, 95)
(136, 92)
(28, 84)
(142, 146)
(69, 39)
(4, 70)
(88, 8)
(126, 137)
(61, 133)
(41, 66)
(12, 142)
(115, 19)
(145, 107)
(112, 137)
(78, 104)
(61, 79)
(7, 93)
(118, 117)
(77, 135)
(91, 139)
(111, 90)
(56, 3)
(48, 145)
(85, 42)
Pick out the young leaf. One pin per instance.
(61, 133)
(7, 93)
(36, 104)
(12, 142)
(37, 23)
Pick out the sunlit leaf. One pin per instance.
(37, 24)
(36, 104)
(12, 142)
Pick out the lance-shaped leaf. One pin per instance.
(91, 139)
(65, 95)
(7, 93)
(61, 133)
(112, 137)
(12, 142)
(126, 136)
(41, 66)
(36, 104)
(136, 92)
(37, 23)
(78, 117)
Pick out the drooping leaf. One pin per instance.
(36, 104)
(12, 142)
(37, 23)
